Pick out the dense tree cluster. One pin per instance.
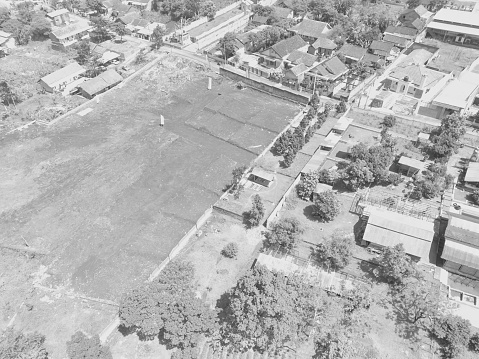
(186, 9)
(169, 309)
(446, 139)
(326, 206)
(27, 25)
(434, 181)
(284, 233)
(395, 265)
(81, 346)
(15, 344)
(336, 251)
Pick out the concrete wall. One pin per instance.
(264, 85)
(280, 204)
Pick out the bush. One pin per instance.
(326, 206)
(285, 233)
(307, 185)
(336, 251)
(230, 250)
(395, 179)
(429, 189)
(82, 347)
(389, 121)
(341, 107)
(474, 343)
(475, 197)
(395, 265)
(453, 333)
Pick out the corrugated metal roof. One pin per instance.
(322, 187)
(102, 81)
(71, 30)
(461, 254)
(390, 228)
(472, 173)
(456, 94)
(457, 16)
(259, 172)
(57, 13)
(459, 28)
(411, 162)
(69, 71)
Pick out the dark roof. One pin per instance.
(287, 46)
(299, 69)
(281, 12)
(260, 19)
(73, 69)
(324, 43)
(300, 57)
(140, 22)
(416, 24)
(371, 59)
(401, 30)
(101, 82)
(310, 28)
(286, 3)
(396, 40)
(352, 51)
(462, 241)
(330, 68)
(381, 45)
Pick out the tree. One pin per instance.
(412, 4)
(474, 343)
(15, 344)
(453, 333)
(230, 250)
(335, 252)
(7, 94)
(4, 15)
(283, 143)
(326, 206)
(237, 174)
(307, 185)
(168, 308)
(120, 29)
(208, 9)
(395, 265)
(40, 26)
(289, 158)
(389, 121)
(100, 29)
(284, 233)
(157, 36)
(84, 52)
(256, 213)
(82, 347)
(446, 139)
(475, 197)
(227, 45)
(357, 175)
(95, 5)
(267, 310)
(20, 31)
(341, 107)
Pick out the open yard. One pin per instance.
(108, 194)
(451, 57)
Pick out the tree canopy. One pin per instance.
(395, 265)
(284, 233)
(336, 251)
(15, 344)
(227, 45)
(446, 139)
(326, 206)
(82, 347)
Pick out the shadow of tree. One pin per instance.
(308, 213)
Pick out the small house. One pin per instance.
(311, 30)
(59, 17)
(422, 138)
(410, 166)
(398, 41)
(472, 176)
(64, 37)
(260, 176)
(383, 49)
(320, 188)
(401, 31)
(415, 18)
(322, 47)
(276, 54)
(282, 12)
(259, 20)
(352, 53)
(58, 80)
(100, 84)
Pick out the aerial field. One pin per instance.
(109, 194)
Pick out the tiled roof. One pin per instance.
(371, 59)
(396, 40)
(260, 19)
(287, 46)
(352, 51)
(402, 30)
(415, 73)
(72, 29)
(324, 43)
(310, 28)
(287, 3)
(57, 13)
(102, 81)
(69, 71)
(299, 69)
(416, 24)
(381, 45)
(140, 22)
(300, 57)
(330, 68)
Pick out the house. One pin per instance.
(331, 140)
(289, 4)
(59, 17)
(374, 61)
(259, 20)
(386, 229)
(66, 36)
(352, 53)
(322, 47)
(143, 28)
(58, 80)
(461, 246)
(415, 18)
(457, 96)
(243, 41)
(276, 54)
(400, 42)
(295, 75)
(460, 27)
(299, 57)
(472, 176)
(212, 31)
(410, 166)
(383, 49)
(138, 4)
(100, 84)
(260, 176)
(320, 188)
(311, 30)
(411, 77)
(282, 12)
(401, 31)
(326, 76)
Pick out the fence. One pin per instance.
(264, 85)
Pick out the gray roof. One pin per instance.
(472, 173)
(300, 57)
(287, 46)
(102, 81)
(57, 13)
(411, 162)
(462, 241)
(396, 40)
(353, 51)
(72, 29)
(310, 28)
(324, 43)
(401, 30)
(381, 45)
(65, 73)
(282, 12)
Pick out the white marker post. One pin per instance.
(162, 121)
(209, 83)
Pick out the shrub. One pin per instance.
(453, 333)
(82, 347)
(285, 233)
(395, 179)
(336, 251)
(230, 250)
(475, 197)
(389, 121)
(474, 343)
(341, 107)
(395, 265)
(326, 206)
(307, 185)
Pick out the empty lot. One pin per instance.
(110, 193)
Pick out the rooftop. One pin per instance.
(451, 58)
(217, 21)
(324, 43)
(71, 70)
(396, 40)
(260, 19)
(282, 12)
(462, 242)
(300, 57)
(411, 162)
(472, 173)
(415, 74)
(330, 68)
(71, 30)
(287, 46)
(259, 172)
(102, 81)
(299, 69)
(352, 51)
(57, 13)
(390, 228)
(311, 28)
(381, 45)
(401, 30)
(322, 187)
(457, 17)
(456, 94)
